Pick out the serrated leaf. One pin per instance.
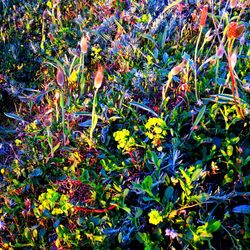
(164, 36)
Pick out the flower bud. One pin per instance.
(84, 44)
(233, 4)
(242, 40)
(203, 16)
(45, 14)
(220, 51)
(98, 77)
(234, 58)
(60, 77)
(235, 30)
(176, 70)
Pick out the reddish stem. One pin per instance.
(99, 211)
(234, 87)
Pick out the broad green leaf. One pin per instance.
(147, 183)
(196, 174)
(145, 107)
(149, 38)
(168, 194)
(213, 226)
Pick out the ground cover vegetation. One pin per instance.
(124, 124)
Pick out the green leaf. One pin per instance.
(198, 119)
(242, 209)
(27, 233)
(13, 116)
(168, 194)
(200, 115)
(144, 107)
(147, 183)
(164, 36)
(224, 99)
(149, 38)
(196, 174)
(87, 123)
(213, 226)
(230, 150)
(56, 147)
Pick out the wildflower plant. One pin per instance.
(125, 141)
(135, 162)
(156, 130)
(155, 217)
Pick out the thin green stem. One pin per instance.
(195, 62)
(94, 116)
(82, 80)
(63, 117)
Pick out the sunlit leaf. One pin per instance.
(144, 107)
(13, 116)
(242, 209)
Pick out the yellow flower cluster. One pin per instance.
(154, 217)
(31, 128)
(54, 202)
(156, 130)
(125, 141)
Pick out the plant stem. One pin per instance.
(82, 80)
(94, 116)
(63, 117)
(234, 89)
(195, 64)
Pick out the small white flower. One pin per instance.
(199, 102)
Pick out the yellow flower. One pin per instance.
(125, 141)
(73, 76)
(154, 217)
